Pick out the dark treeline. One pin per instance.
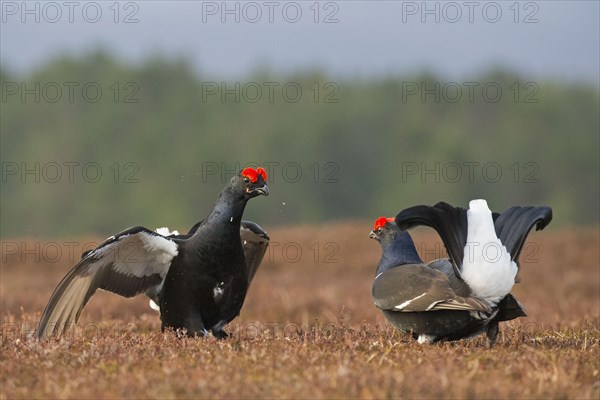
(93, 145)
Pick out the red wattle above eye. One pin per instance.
(381, 221)
(251, 174)
(261, 171)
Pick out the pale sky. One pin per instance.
(538, 39)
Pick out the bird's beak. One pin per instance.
(263, 190)
(373, 235)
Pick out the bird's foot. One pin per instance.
(181, 333)
(220, 334)
(423, 338)
(184, 332)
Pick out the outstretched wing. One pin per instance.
(254, 242)
(132, 262)
(449, 222)
(417, 287)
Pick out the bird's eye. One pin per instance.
(246, 180)
(379, 230)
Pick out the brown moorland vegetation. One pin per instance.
(308, 329)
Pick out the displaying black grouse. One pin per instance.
(460, 297)
(198, 280)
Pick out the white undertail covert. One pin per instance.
(487, 267)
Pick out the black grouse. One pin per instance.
(198, 280)
(460, 297)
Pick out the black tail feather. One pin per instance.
(513, 226)
(509, 308)
(449, 222)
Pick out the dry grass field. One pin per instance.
(308, 329)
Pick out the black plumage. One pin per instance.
(435, 301)
(199, 280)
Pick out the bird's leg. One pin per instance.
(219, 334)
(191, 330)
(195, 326)
(492, 332)
(218, 331)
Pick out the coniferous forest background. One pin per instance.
(94, 145)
